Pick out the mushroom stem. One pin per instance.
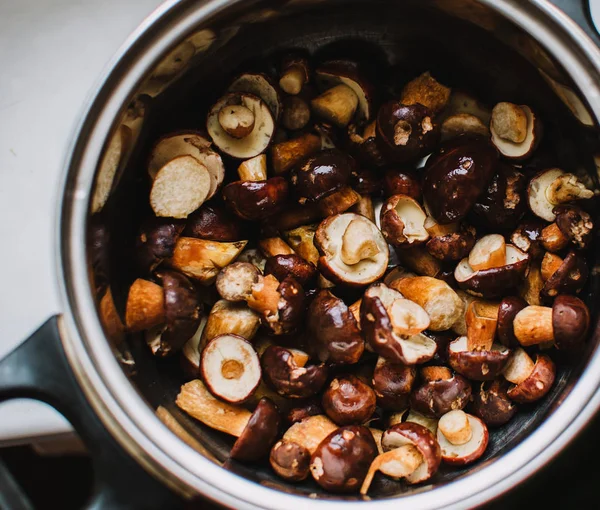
(293, 80)
(357, 244)
(567, 188)
(533, 325)
(481, 320)
(236, 120)
(550, 264)
(274, 246)
(254, 169)
(455, 427)
(553, 239)
(519, 367)
(265, 297)
(397, 463)
(145, 305)
(336, 105)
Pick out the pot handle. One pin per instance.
(579, 12)
(39, 369)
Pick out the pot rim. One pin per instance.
(116, 401)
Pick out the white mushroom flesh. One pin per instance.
(258, 85)
(518, 150)
(478, 434)
(488, 252)
(538, 200)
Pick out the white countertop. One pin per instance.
(51, 54)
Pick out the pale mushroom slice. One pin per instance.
(352, 249)
(261, 86)
(515, 130)
(488, 252)
(180, 187)
(462, 437)
(188, 143)
(403, 221)
(256, 141)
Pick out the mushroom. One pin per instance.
(290, 456)
(253, 169)
(290, 379)
(549, 266)
(531, 381)
(236, 120)
(294, 74)
(255, 257)
(296, 215)
(230, 368)
(188, 143)
(363, 144)
(415, 417)
(427, 91)
(419, 260)
(439, 300)
(569, 278)
(451, 246)
(145, 306)
(235, 281)
(456, 175)
(401, 182)
(405, 132)
(341, 461)
(410, 452)
(261, 86)
(463, 124)
(477, 364)
(322, 174)
(515, 129)
(282, 266)
(393, 383)
(403, 221)
(180, 187)
(575, 224)
(352, 250)
(492, 405)
(440, 392)
(334, 334)
(273, 246)
(338, 202)
(554, 187)
(462, 102)
(347, 400)
(256, 200)
(507, 311)
(301, 239)
(202, 260)
(462, 437)
(226, 318)
(392, 326)
(156, 241)
(286, 155)
(308, 408)
(111, 321)
(531, 287)
(527, 238)
(495, 281)
(253, 143)
(364, 207)
(212, 224)
(553, 239)
(190, 353)
(488, 252)
(255, 431)
(296, 113)
(336, 105)
(566, 323)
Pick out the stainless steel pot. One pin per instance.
(529, 52)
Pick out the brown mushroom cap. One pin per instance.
(290, 461)
(156, 241)
(401, 182)
(282, 266)
(256, 200)
(507, 311)
(436, 397)
(460, 455)
(334, 335)
(452, 246)
(348, 400)
(406, 132)
(308, 408)
(492, 405)
(569, 278)
(363, 145)
(290, 380)
(341, 462)
(570, 322)
(575, 224)
(402, 221)
(393, 383)
(526, 237)
(479, 365)
(259, 434)
(537, 384)
(213, 224)
(407, 433)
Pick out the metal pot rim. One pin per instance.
(118, 404)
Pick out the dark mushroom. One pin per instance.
(526, 237)
(462, 437)
(363, 144)
(256, 200)
(440, 392)
(296, 113)
(575, 224)
(347, 400)
(452, 246)
(569, 278)
(289, 153)
(259, 434)
(338, 202)
(403, 221)
(507, 311)
(531, 381)
(308, 408)
(213, 224)
(235, 281)
(570, 322)
(477, 364)
(282, 266)
(401, 182)
(393, 383)
(516, 130)
(492, 405)
(156, 241)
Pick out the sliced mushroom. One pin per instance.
(294, 74)
(253, 169)
(201, 259)
(282, 266)
(553, 239)
(477, 364)
(488, 252)
(569, 278)
(463, 124)
(462, 437)
(347, 400)
(481, 319)
(575, 224)
(531, 381)
(236, 120)
(227, 318)
(403, 221)
(145, 307)
(334, 334)
(180, 187)
(352, 249)
(393, 383)
(440, 392)
(230, 368)
(260, 85)
(439, 300)
(235, 281)
(341, 462)
(516, 130)
(256, 200)
(212, 224)
(253, 143)
(426, 90)
(527, 238)
(531, 287)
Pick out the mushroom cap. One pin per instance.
(306, 409)
(491, 403)
(401, 182)
(334, 335)
(496, 281)
(292, 306)
(256, 200)
(287, 378)
(347, 400)
(328, 241)
(262, 86)
(393, 383)
(409, 433)
(522, 150)
(507, 311)
(569, 278)
(259, 434)
(538, 383)
(366, 181)
(213, 224)
(251, 145)
(321, 174)
(341, 462)
(536, 192)
(282, 266)
(452, 246)
(405, 132)
(455, 177)
(364, 146)
(570, 322)
(526, 237)
(477, 365)
(402, 221)
(156, 241)
(575, 224)
(290, 460)
(460, 455)
(435, 398)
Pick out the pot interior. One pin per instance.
(464, 44)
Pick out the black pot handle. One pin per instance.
(38, 369)
(579, 12)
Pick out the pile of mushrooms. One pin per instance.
(369, 312)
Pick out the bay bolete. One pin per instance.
(462, 437)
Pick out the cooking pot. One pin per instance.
(163, 79)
